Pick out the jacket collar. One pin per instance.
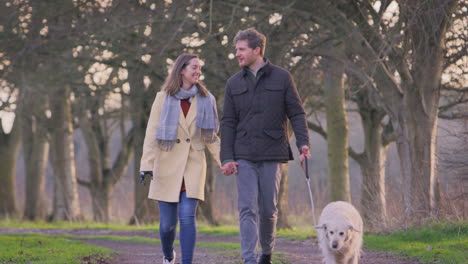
(186, 121)
(266, 68)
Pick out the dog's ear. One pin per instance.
(323, 226)
(354, 228)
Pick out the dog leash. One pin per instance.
(310, 190)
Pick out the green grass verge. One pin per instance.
(443, 243)
(127, 239)
(45, 249)
(302, 233)
(75, 225)
(224, 230)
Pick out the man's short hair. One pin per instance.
(254, 39)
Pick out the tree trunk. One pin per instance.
(103, 175)
(337, 130)
(101, 197)
(145, 210)
(283, 208)
(207, 206)
(66, 202)
(372, 166)
(417, 120)
(9, 150)
(416, 148)
(36, 150)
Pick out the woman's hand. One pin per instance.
(229, 168)
(143, 174)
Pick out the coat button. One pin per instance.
(187, 140)
(177, 141)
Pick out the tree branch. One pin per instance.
(448, 106)
(454, 116)
(358, 157)
(84, 183)
(122, 161)
(318, 129)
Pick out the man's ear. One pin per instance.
(257, 50)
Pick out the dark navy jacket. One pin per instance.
(254, 122)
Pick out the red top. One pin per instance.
(185, 105)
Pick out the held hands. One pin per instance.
(305, 153)
(229, 168)
(143, 174)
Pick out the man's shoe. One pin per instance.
(172, 261)
(265, 259)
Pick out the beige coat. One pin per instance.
(186, 161)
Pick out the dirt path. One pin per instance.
(291, 252)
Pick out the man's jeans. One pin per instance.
(257, 187)
(186, 208)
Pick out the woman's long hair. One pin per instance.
(173, 81)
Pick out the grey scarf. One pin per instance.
(206, 121)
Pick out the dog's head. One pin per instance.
(337, 234)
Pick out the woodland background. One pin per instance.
(384, 85)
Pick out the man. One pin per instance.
(254, 141)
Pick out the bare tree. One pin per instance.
(377, 138)
(9, 141)
(412, 103)
(41, 50)
(36, 149)
(337, 126)
(9, 149)
(66, 203)
(453, 159)
(104, 173)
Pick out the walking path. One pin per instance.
(288, 252)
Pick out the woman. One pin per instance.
(182, 122)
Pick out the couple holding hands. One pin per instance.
(258, 100)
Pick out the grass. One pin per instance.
(224, 230)
(302, 233)
(442, 243)
(127, 239)
(45, 249)
(75, 225)
(221, 248)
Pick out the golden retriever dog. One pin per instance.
(340, 233)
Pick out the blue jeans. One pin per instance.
(186, 209)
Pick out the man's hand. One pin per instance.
(305, 153)
(143, 174)
(229, 168)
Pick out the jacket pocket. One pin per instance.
(275, 134)
(274, 87)
(238, 90)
